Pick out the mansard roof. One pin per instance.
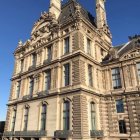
(72, 9)
(129, 50)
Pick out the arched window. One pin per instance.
(26, 114)
(93, 116)
(43, 117)
(66, 115)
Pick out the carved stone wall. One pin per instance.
(80, 117)
(77, 41)
(78, 71)
(7, 123)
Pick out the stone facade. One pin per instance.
(90, 89)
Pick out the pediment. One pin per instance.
(134, 53)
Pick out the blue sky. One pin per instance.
(18, 16)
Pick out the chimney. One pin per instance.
(55, 7)
(101, 13)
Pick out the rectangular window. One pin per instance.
(66, 74)
(34, 59)
(90, 79)
(66, 45)
(31, 86)
(88, 46)
(119, 106)
(13, 120)
(93, 116)
(138, 70)
(102, 51)
(66, 110)
(22, 65)
(116, 78)
(48, 79)
(18, 89)
(26, 113)
(49, 50)
(43, 117)
(122, 127)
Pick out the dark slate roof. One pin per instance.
(116, 52)
(68, 12)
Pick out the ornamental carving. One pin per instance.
(44, 25)
(133, 54)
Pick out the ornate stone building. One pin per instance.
(69, 81)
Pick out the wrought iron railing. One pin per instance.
(62, 134)
(96, 133)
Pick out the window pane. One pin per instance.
(26, 119)
(90, 75)
(31, 86)
(122, 127)
(13, 120)
(48, 80)
(93, 116)
(66, 43)
(43, 117)
(88, 46)
(116, 80)
(119, 106)
(66, 108)
(34, 59)
(18, 89)
(66, 74)
(49, 53)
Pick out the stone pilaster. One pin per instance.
(7, 120)
(80, 117)
(77, 41)
(78, 72)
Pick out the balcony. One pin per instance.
(47, 61)
(32, 67)
(96, 133)
(30, 133)
(62, 134)
(9, 133)
(43, 93)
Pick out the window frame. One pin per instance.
(93, 115)
(88, 43)
(31, 85)
(90, 75)
(34, 59)
(49, 53)
(18, 88)
(43, 117)
(116, 78)
(26, 118)
(47, 81)
(122, 127)
(66, 74)
(119, 107)
(13, 120)
(66, 45)
(66, 115)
